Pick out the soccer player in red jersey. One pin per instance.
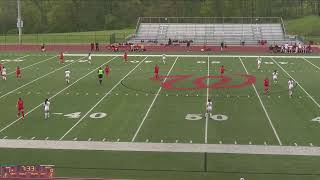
(20, 106)
(1, 68)
(156, 72)
(107, 70)
(222, 70)
(266, 85)
(125, 57)
(18, 72)
(61, 58)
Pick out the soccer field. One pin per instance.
(131, 106)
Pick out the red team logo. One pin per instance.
(200, 82)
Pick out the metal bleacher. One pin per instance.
(210, 30)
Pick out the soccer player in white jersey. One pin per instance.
(290, 84)
(259, 61)
(46, 106)
(67, 75)
(89, 58)
(4, 73)
(275, 76)
(241, 178)
(164, 58)
(209, 109)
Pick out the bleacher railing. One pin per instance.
(212, 20)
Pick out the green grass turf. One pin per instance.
(306, 27)
(71, 37)
(128, 102)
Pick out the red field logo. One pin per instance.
(200, 82)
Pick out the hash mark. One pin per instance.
(220, 142)
(161, 141)
(75, 139)
(191, 141)
(33, 138)
(177, 141)
(250, 142)
(235, 142)
(104, 139)
(47, 138)
(311, 144)
(265, 143)
(19, 137)
(147, 140)
(295, 144)
(118, 140)
(89, 139)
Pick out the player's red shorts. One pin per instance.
(266, 88)
(20, 109)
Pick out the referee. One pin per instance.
(100, 75)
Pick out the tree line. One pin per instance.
(44, 16)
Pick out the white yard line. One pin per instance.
(94, 106)
(195, 55)
(34, 64)
(311, 63)
(297, 83)
(161, 147)
(12, 123)
(38, 78)
(207, 118)
(154, 99)
(263, 107)
(13, 59)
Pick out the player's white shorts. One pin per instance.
(290, 87)
(209, 109)
(46, 109)
(4, 73)
(274, 77)
(67, 76)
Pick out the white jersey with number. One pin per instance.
(89, 57)
(290, 84)
(67, 73)
(46, 106)
(163, 57)
(209, 106)
(4, 72)
(275, 75)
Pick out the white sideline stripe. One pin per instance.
(206, 125)
(38, 78)
(101, 99)
(263, 107)
(34, 64)
(311, 63)
(162, 147)
(297, 83)
(199, 55)
(154, 100)
(54, 95)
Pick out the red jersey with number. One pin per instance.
(222, 70)
(20, 104)
(156, 69)
(266, 82)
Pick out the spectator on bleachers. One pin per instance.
(169, 41)
(221, 46)
(97, 46)
(92, 46)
